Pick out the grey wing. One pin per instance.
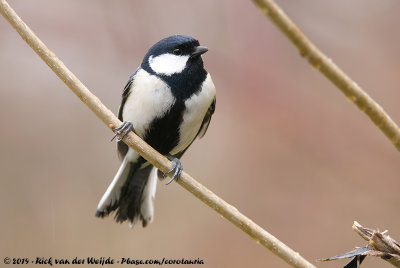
(207, 119)
(125, 93)
(121, 146)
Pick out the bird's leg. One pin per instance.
(123, 130)
(176, 168)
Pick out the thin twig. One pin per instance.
(326, 66)
(93, 103)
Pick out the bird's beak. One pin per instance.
(198, 51)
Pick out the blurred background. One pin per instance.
(285, 146)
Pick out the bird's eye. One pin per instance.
(177, 51)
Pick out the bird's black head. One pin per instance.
(177, 61)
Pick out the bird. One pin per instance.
(168, 102)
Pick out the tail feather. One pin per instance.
(110, 199)
(149, 192)
(130, 202)
(130, 194)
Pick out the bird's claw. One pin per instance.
(122, 130)
(176, 168)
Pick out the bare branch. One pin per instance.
(186, 181)
(379, 245)
(326, 66)
(382, 244)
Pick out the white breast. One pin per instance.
(149, 98)
(196, 108)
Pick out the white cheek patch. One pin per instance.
(168, 64)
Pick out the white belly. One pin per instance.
(152, 98)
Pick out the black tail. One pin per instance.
(131, 199)
(125, 195)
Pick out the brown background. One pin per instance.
(285, 146)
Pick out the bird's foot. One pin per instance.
(122, 130)
(176, 169)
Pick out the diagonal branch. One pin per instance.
(186, 181)
(326, 66)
